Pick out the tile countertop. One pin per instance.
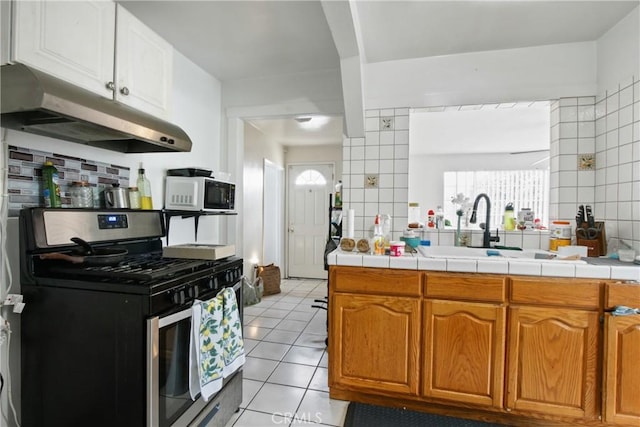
(598, 268)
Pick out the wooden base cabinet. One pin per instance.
(622, 358)
(374, 343)
(553, 361)
(464, 352)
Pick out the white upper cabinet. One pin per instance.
(144, 66)
(98, 46)
(71, 40)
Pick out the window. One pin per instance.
(523, 188)
(310, 177)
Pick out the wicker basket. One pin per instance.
(271, 278)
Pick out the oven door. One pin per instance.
(168, 399)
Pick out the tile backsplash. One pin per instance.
(24, 179)
(382, 156)
(594, 160)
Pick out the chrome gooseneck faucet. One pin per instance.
(487, 238)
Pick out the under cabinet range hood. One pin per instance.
(35, 102)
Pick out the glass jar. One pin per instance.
(81, 195)
(134, 198)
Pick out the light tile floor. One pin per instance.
(285, 374)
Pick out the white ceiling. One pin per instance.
(235, 40)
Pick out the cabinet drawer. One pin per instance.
(375, 281)
(622, 294)
(466, 287)
(578, 293)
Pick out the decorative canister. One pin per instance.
(554, 244)
(561, 229)
(81, 195)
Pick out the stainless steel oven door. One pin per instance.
(168, 368)
(168, 399)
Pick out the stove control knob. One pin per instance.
(178, 297)
(193, 292)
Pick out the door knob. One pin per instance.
(110, 86)
(124, 91)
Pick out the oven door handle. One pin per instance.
(237, 286)
(174, 318)
(153, 382)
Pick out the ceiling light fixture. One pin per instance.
(303, 119)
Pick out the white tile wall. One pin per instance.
(606, 125)
(384, 151)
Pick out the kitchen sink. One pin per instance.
(461, 252)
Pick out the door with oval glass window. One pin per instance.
(309, 186)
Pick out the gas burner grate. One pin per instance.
(140, 268)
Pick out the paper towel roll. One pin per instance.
(351, 219)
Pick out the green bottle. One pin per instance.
(51, 190)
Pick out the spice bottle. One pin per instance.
(51, 191)
(144, 187)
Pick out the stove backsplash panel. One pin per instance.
(25, 183)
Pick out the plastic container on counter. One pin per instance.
(134, 198)
(81, 195)
(396, 248)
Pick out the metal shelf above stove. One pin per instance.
(170, 213)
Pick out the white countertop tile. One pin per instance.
(494, 266)
(437, 264)
(378, 261)
(349, 259)
(558, 269)
(406, 262)
(332, 258)
(632, 272)
(525, 268)
(593, 271)
(489, 265)
(462, 265)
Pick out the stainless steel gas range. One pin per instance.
(105, 332)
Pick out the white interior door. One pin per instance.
(308, 210)
(273, 219)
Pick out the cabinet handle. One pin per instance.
(110, 86)
(124, 91)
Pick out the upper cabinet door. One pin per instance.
(144, 66)
(71, 40)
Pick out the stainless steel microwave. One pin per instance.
(199, 193)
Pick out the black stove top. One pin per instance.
(141, 268)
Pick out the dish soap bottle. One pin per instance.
(509, 221)
(51, 190)
(378, 237)
(144, 187)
